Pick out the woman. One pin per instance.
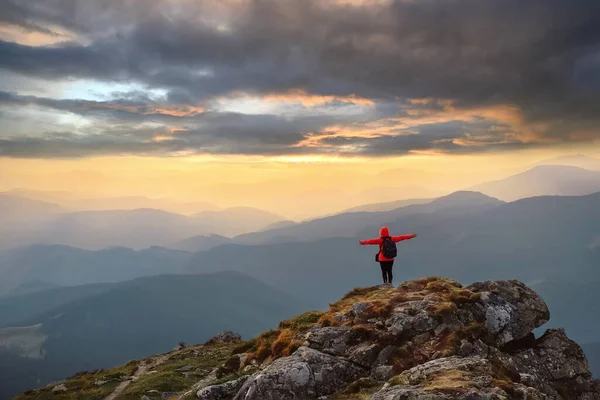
(386, 263)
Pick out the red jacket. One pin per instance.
(383, 232)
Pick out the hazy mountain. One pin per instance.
(16, 208)
(544, 180)
(25, 307)
(137, 229)
(129, 228)
(20, 217)
(577, 160)
(52, 196)
(236, 220)
(200, 242)
(32, 286)
(279, 224)
(67, 266)
(135, 319)
(391, 193)
(350, 224)
(73, 202)
(387, 206)
(136, 202)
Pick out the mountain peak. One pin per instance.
(426, 339)
(463, 197)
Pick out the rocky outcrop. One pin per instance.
(427, 339)
(222, 391)
(225, 337)
(306, 374)
(453, 378)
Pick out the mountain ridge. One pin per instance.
(543, 180)
(132, 319)
(429, 339)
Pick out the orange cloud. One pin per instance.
(20, 35)
(506, 115)
(175, 111)
(313, 100)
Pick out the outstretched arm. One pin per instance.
(371, 241)
(403, 237)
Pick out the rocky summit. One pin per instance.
(427, 339)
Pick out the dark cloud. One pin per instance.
(540, 56)
(452, 136)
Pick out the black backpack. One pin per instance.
(388, 247)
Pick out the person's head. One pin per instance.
(384, 231)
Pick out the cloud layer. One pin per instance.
(300, 77)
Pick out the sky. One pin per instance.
(299, 106)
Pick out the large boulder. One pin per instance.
(511, 309)
(471, 378)
(307, 374)
(554, 364)
(225, 337)
(223, 391)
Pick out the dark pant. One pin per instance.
(386, 270)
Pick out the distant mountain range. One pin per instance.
(31, 221)
(349, 224)
(543, 180)
(575, 160)
(131, 320)
(72, 202)
(387, 206)
(54, 265)
(14, 208)
(200, 243)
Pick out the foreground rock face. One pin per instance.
(427, 339)
(305, 374)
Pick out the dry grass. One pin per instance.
(82, 385)
(450, 382)
(280, 342)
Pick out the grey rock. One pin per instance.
(306, 374)
(100, 382)
(512, 310)
(422, 338)
(399, 323)
(59, 388)
(364, 354)
(385, 356)
(477, 369)
(358, 309)
(382, 373)
(185, 368)
(330, 340)
(208, 380)
(555, 364)
(224, 391)
(226, 337)
(423, 322)
(562, 356)
(478, 348)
